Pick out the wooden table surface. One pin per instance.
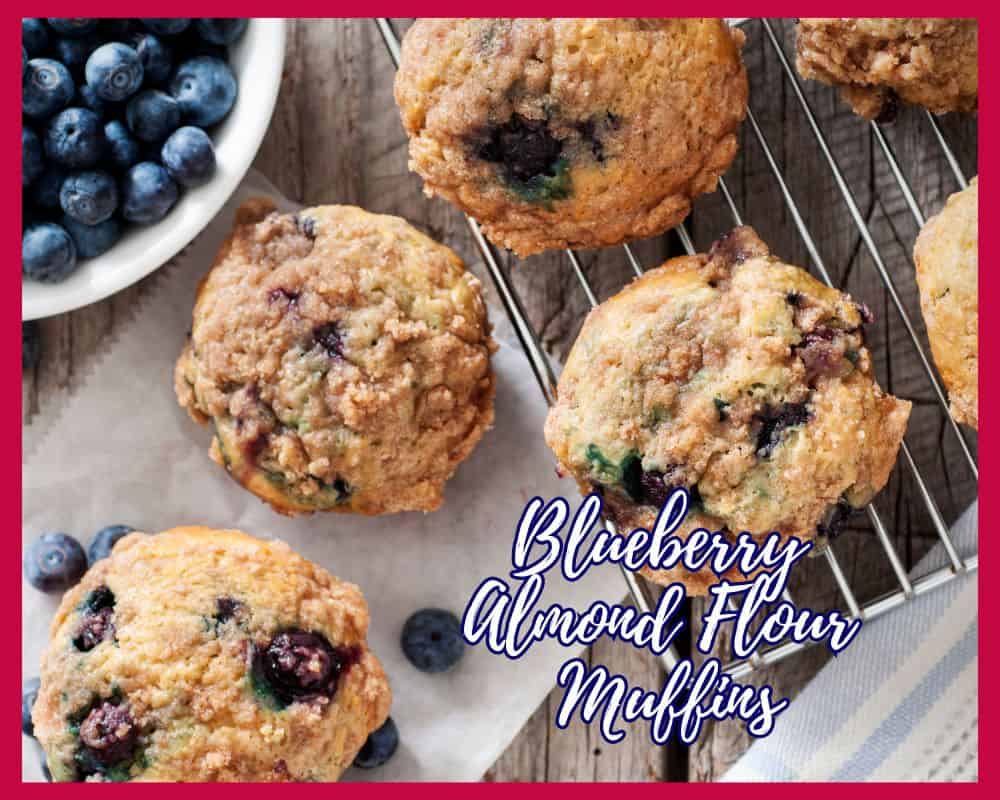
(336, 138)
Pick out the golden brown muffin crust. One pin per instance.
(738, 377)
(947, 259)
(342, 358)
(571, 132)
(189, 610)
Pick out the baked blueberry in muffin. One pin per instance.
(947, 259)
(878, 63)
(737, 377)
(342, 360)
(571, 132)
(204, 655)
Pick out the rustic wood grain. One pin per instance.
(336, 137)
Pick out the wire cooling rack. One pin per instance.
(908, 587)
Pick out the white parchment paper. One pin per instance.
(120, 450)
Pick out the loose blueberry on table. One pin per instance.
(105, 540)
(54, 562)
(432, 640)
(104, 96)
(380, 746)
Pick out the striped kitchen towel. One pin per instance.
(900, 704)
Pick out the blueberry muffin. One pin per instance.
(571, 132)
(738, 377)
(878, 62)
(947, 259)
(203, 655)
(342, 359)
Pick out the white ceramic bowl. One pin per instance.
(257, 60)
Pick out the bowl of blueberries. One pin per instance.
(134, 134)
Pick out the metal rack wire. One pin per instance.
(907, 588)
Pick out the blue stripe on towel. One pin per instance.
(884, 740)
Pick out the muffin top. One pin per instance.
(947, 259)
(343, 359)
(202, 655)
(878, 61)
(738, 377)
(571, 132)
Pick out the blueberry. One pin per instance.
(306, 225)
(188, 156)
(32, 161)
(92, 240)
(29, 214)
(169, 26)
(220, 31)
(644, 486)
(432, 640)
(47, 88)
(45, 190)
(123, 149)
(153, 115)
(189, 45)
(97, 620)
(835, 519)
(227, 608)
(108, 736)
(105, 540)
(75, 138)
(29, 693)
(525, 147)
(72, 26)
(73, 53)
(117, 30)
(148, 193)
(47, 253)
(328, 337)
(206, 90)
(379, 747)
(90, 100)
(34, 36)
(155, 56)
(298, 665)
(89, 197)
(772, 422)
(54, 562)
(31, 345)
(114, 71)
